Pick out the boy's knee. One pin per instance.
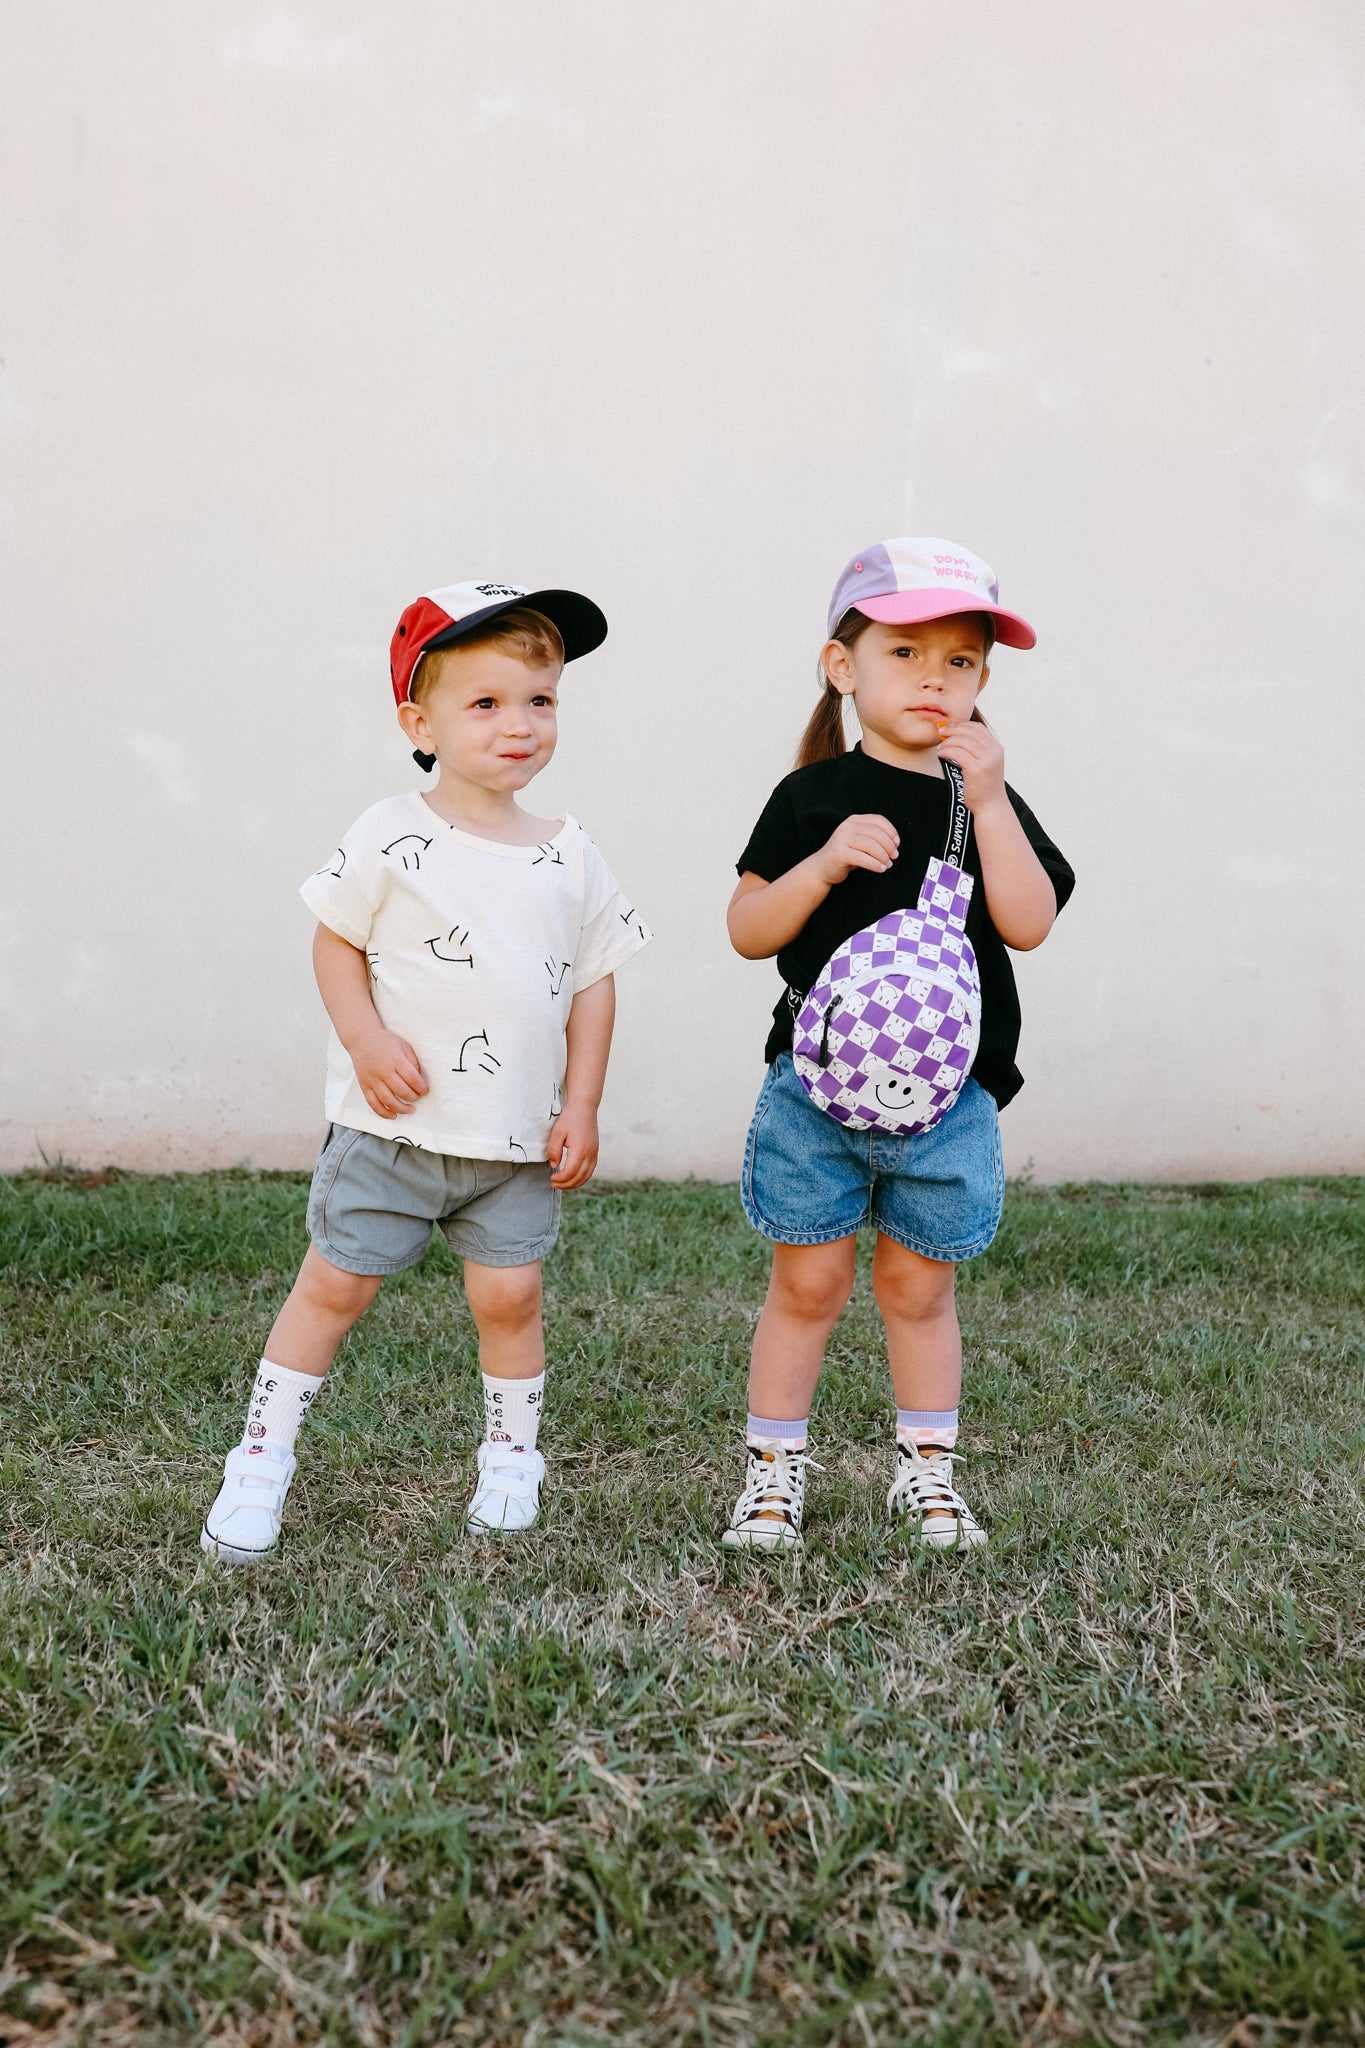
(340, 1294)
(508, 1296)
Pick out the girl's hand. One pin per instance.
(572, 1145)
(980, 756)
(866, 841)
(389, 1072)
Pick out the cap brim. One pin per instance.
(580, 623)
(917, 607)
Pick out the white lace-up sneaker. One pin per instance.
(923, 1492)
(244, 1522)
(507, 1493)
(768, 1513)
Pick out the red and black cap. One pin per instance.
(444, 617)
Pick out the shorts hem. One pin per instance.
(366, 1265)
(529, 1254)
(945, 1255)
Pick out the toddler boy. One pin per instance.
(465, 951)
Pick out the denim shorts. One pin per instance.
(808, 1179)
(373, 1202)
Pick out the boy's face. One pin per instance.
(487, 717)
(909, 681)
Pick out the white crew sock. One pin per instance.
(279, 1401)
(511, 1410)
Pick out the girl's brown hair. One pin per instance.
(824, 738)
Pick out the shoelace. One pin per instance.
(768, 1488)
(928, 1482)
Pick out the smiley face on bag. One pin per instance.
(905, 1096)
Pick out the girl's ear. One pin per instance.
(834, 659)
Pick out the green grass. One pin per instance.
(1103, 1783)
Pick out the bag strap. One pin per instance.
(959, 818)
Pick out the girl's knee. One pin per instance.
(911, 1288)
(809, 1284)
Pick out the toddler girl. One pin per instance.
(843, 841)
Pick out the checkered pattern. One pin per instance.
(885, 1038)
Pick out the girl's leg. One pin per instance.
(924, 1345)
(809, 1286)
(505, 1302)
(807, 1291)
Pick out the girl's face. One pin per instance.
(908, 683)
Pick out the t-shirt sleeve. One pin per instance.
(341, 893)
(612, 927)
(775, 842)
(1055, 865)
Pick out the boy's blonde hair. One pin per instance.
(521, 632)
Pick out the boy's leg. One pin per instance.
(505, 1302)
(924, 1346)
(807, 1290)
(323, 1303)
(319, 1309)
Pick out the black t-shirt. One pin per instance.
(799, 816)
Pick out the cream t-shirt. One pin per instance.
(476, 950)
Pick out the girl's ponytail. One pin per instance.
(823, 739)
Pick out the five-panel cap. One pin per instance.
(905, 582)
(444, 616)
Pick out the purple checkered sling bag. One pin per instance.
(885, 1038)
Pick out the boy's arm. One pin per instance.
(387, 1068)
(1019, 892)
(572, 1143)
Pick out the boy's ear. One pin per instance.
(413, 721)
(985, 677)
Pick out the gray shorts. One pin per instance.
(373, 1202)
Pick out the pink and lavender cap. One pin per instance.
(905, 582)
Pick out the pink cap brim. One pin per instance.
(915, 607)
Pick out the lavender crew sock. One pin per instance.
(768, 1429)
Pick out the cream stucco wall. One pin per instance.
(308, 308)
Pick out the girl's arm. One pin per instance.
(388, 1070)
(763, 917)
(572, 1144)
(1019, 892)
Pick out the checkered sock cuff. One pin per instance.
(927, 1426)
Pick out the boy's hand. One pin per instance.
(864, 841)
(572, 1146)
(980, 756)
(389, 1072)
